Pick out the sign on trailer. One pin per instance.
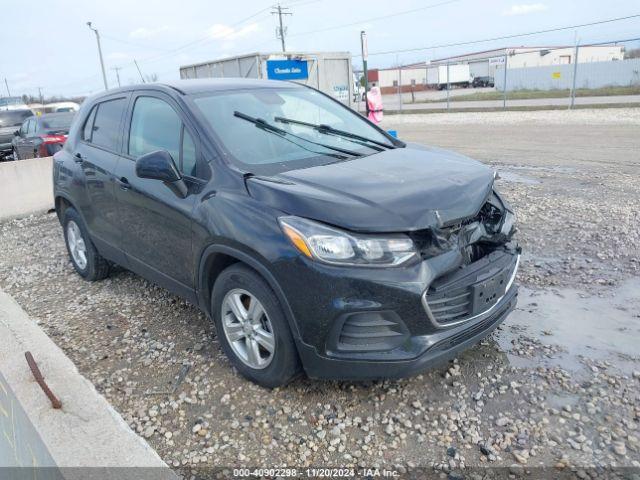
(287, 69)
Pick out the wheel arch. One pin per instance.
(217, 257)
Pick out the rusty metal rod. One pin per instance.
(55, 403)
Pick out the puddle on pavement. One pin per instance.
(583, 325)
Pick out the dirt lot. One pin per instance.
(556, 387)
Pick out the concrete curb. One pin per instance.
(87, 431)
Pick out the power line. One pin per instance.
(504, 37)
(200, 40)
(375, 19)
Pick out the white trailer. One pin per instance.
(330, 72)
(459, 76)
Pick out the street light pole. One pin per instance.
(365, 54)
(104, 74)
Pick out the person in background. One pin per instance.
(374, 104)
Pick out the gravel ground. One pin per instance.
(520, 401)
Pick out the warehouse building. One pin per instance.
(485, 63)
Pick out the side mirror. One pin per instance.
(159, 165)
(16, 133)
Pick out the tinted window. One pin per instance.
(88, 126)
(62, 122)
(25, 127)
(32, 127)
(106, 126)
(154, 126)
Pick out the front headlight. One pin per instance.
(337, 247)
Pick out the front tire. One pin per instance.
(252, 328)
(86, 260)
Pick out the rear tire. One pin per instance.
(276, 365)
(84, 256)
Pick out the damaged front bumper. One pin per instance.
(355, 325)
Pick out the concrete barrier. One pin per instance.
(25, 187)
(84, 439)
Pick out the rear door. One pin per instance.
(156, 222)
(97, 153)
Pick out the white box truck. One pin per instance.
(459, 76)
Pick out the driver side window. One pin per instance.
(25, 127)
(155, 125)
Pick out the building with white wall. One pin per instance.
(485, 63)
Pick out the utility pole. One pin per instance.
(7, 85)
(281, 31)
(365, 55)
(40, 93)
(104, 74)
(575, 74)
(117, 69)
(504, 92)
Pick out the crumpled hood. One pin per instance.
(397, 190)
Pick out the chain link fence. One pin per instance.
(605, 74)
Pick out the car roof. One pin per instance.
(47, 116)
(200, 85)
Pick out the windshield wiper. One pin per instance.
(328, 129)
(261, 123)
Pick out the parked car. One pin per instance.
(10, 120)
(482, 82)
(60, 107)
(41, 136)
(313, 239)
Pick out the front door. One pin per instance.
(155, 220)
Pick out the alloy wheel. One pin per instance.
(248, 329)
(77, 247)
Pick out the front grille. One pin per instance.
(371, 331)
(469, 333)
(471, 290)
(450, 306)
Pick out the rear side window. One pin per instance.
(32, 127)
(106, 124)
(88, 125)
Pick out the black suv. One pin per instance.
(312, 238)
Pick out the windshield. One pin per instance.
(10, 118)
(59, 122)
(259, 150)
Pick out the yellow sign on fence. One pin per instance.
(556, 75)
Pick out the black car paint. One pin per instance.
(182, 242)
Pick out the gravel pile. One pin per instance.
(157, 360)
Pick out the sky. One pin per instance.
(49, 45)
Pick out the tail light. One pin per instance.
(48, 140)
(54, 138)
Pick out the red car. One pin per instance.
(41, 136)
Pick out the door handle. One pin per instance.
(78, 158)
(124, 183)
